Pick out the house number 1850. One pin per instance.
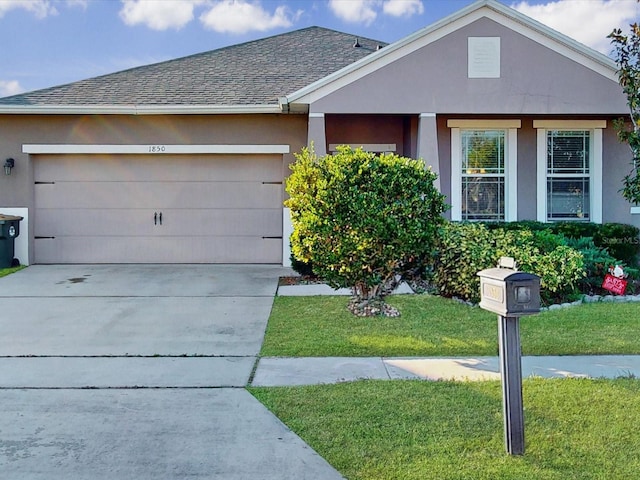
(157, 148)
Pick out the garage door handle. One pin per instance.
(160, 218)
(155, 218)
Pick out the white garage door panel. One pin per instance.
(157, 250)
(157, 195)
(158, 168)
(215, 208)
(140, 222)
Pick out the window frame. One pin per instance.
(510, 127)
(594, 127)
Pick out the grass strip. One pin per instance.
(8, 271)
(436, 326)
(384, 430)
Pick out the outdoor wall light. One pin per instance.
(9, 163)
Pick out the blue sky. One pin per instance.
(53, 42)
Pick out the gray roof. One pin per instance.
(251, 73)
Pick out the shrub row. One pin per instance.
(467, 248)
(571, 258)
(567, 263)
(620, 240)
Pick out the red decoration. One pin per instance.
(614, 284)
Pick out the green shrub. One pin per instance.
(575, 229)
(597, 261)
(303, 268)
(466, 248)
(547, 241)
(519, 225)
(463, 250)
(361, 218)
(621, 240)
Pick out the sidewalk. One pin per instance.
(272, 371)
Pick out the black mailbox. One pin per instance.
(508, 292)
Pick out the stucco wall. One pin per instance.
(366, 129)
(17, 190)
(617, 163)
(534, 80)
(17, 130)
(527, 159)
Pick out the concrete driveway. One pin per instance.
(138, 372)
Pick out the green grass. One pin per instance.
(435, 326)
(8, 271)
(405, 430)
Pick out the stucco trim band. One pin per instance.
(153, 149)
(569, 124)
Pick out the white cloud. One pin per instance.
(355, 11)
(366, 11)
(158, 14)
(241, 16)
(11, 87)
(587, 21)
(78, 3)
(40, 8)
(403, 8)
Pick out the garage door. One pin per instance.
(158, 209)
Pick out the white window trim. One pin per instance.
(595, 163)
(483, 124)
(511, 163)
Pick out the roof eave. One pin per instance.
(138, 109)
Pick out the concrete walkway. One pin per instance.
(309, 371)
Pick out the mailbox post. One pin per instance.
(510, 294)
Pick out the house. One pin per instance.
(184, 161)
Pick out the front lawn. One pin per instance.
(436, 326)
(406, 430)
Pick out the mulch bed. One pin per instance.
(299, 280)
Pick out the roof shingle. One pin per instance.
(251, 73)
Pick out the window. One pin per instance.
(482, 175)
(568, 175)
(569, 171)
(483, 163)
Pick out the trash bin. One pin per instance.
(9, 230)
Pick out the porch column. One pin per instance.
(316, 134)
(428, 143)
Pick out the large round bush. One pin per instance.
(360, 218)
